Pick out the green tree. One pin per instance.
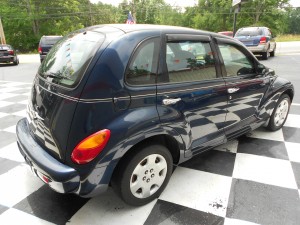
(294, 21)
(25, 21)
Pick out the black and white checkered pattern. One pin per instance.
(251, 180)
(40, 130)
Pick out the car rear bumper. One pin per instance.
(58, 176)
(6, 58)
(258, 48)
(43, 56)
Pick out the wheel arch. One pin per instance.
(169, 141)
(290, 93)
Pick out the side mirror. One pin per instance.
(262, 69)
(271, 72)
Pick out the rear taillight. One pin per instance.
(90, 147)
(40, 49)
(11, 52)
(263, 40)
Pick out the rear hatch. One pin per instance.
(4, 50)
(249, 36)
(57, 88)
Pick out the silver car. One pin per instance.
(258, 40)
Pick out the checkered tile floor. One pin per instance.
(252, 180)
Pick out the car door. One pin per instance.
(191, 93)
(245, 87)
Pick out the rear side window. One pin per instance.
(66, 61)
(142, 68)
(189, 61)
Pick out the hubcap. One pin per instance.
(148, 176)
(281, 112)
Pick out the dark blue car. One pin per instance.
(121, 105)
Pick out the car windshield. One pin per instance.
(249, 32)
(68, 58)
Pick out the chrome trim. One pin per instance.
(232, 90)
(191, 89)
(239, 82)
(76, 99)
(171, 101)
(123, 98)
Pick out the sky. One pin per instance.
(295, 3)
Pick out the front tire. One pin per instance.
(143, 174)
(280, 113)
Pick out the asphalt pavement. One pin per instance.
(286, 64)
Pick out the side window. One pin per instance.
(189, 61)
(143, 65)
(236, 62)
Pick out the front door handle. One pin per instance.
(171, 101)
(232, 90)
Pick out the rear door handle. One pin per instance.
(232, 90)
(171, 101)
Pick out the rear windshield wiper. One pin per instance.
(57, 76)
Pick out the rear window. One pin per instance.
(66, 61)
(5, 47)
(249, 32)
(50, 40)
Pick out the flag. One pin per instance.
(130, 19)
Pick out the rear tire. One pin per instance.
(16, 62)
(272, 54)
(143, 174)
(265, 55)
(280, 113)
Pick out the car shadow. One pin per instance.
(6, 64)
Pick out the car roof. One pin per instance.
(253, 28)
(5, 45)
(49, 36)
(127, 28)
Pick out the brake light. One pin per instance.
(263, 40)
(11, 52)
(90, 147)
(45, 179)
(40, 49)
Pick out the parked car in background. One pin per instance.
(226, 33)
(122, 104)
(8, 54)
(258, 40)
(46, 44)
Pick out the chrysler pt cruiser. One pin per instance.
(121, 105)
